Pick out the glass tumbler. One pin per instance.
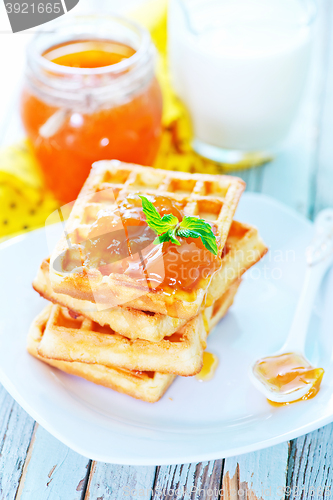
(240, 67)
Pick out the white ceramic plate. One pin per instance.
(194, 421)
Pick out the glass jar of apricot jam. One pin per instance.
(90, 94)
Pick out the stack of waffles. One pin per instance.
(108, 321)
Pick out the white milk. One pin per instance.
(240, 67)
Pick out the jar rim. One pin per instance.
(125, 64)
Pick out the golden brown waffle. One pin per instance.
(211, 197)
(80, 339)
(129, 322)
(243, 248)
(148, 386)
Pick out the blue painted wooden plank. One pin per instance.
(16, 429)
(112, 482)
(188, 481)
(52, 470)
(310, 468)
(257, 475)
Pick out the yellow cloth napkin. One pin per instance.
(24, 201)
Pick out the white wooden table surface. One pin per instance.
(35, 466)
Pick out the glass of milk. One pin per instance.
(240, 68)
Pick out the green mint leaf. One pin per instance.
(168, 236)
(161, 238)
(187, 233)
(172, 233)
(193, 227)
(209, 244)
(194, 223)
(168, 227)
(157, 223)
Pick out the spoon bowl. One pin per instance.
(286, 377)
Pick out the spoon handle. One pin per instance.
(298, 331)
(319, 258)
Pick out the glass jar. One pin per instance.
(110, 107)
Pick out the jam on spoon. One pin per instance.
(287, 373)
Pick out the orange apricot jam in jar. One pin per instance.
(118, 239)
(90, 94)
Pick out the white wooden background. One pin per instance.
(35, 466)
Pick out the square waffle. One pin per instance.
(148, 386)
(211, 197)
(82, 340)
(243, 249)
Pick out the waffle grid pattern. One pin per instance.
(209, 197)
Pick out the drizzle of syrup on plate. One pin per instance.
(210, 363)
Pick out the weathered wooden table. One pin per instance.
(35, 466)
